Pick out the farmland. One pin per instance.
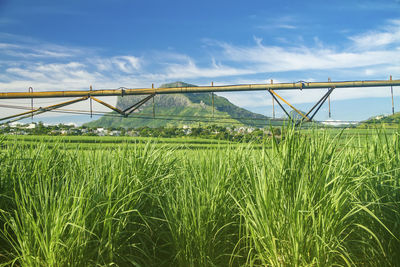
(308, 198)
(111, 142)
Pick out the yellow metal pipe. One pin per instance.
(200, 89)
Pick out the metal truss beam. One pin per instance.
(287, 103)
(301, 85)
(318, 105)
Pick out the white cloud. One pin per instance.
(191, 70)
(32, 49)
(278, 59)
(54, 67)
(389, 34)
(375, 39)
(126, 64)
(53, 74)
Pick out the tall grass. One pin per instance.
(202, 216)
(80, 208)
(312, 203)
(310, 200)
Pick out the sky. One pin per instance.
(70, 45)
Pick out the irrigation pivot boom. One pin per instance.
(151, 92)
(200, 89)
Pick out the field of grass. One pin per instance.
(110, 142)
(309, 199)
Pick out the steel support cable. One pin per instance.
(38, 101)
(149, 116)
(134, 117)
(41, 110)
(141, 117)
(84, 112)
(212, 121)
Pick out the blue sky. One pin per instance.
(61, 45)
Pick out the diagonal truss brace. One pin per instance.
(108, 105)
(318, 105)
(126, 111)
(134, 107)
(41, 110)
(275, 95)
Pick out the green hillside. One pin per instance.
(390, 120)
(181, 109)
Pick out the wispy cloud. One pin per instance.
(278, 59)
(283, 22)
(126, 64)
(46, 66)
(53, 76)
(278, 26)
(35, 50)
(190, 70)
(389, 34)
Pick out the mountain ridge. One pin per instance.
(388, 119)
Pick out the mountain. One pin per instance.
(388, 119)
(181, 109)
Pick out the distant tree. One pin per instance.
(196, 131)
